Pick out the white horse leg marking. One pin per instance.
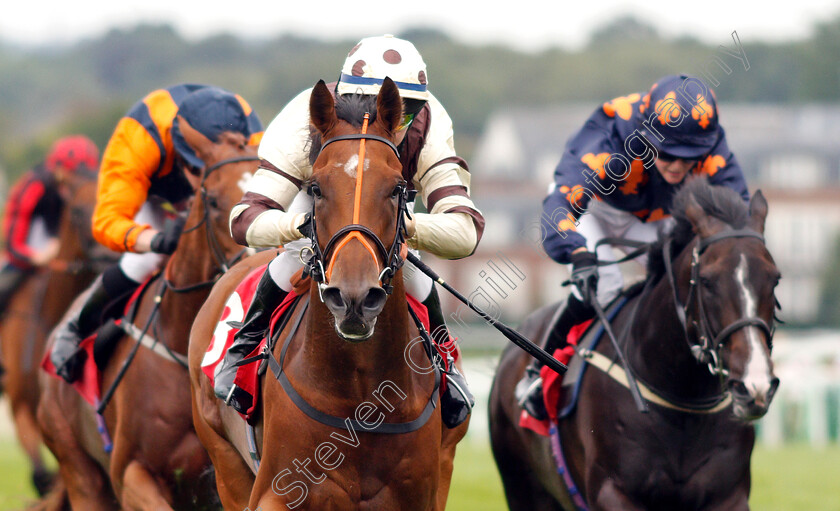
(757, 374)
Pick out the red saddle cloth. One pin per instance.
(246, 376)
(89, 384)
(553, 383)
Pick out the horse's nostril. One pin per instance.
(375, 300)
(333, 299)
(738, 388)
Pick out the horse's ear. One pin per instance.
(202, 145)
(322, 108)
(758, 212)
(703, 224)
(389, 105)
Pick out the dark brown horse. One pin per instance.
(333, 443)
(697, 338)
(38, 305)
(156, 461)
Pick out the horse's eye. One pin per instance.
(706, 282)
(315, 190)
(212, 201)
(397, 191)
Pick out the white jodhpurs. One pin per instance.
(604, 221)
(138, 267)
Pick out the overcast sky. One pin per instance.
(523, 24)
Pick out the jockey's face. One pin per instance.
(674, 171)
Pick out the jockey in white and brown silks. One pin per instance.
(141, 187)
(274, 206)
(631, 156)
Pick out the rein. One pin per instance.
(223, 263)
(390, 257)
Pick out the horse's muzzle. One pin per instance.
(355, 313)
(750, 404)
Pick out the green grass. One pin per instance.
(791, 478)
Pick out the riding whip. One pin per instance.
(512, 335)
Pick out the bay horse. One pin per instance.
(37, 306)
(697, 339)
(349, 345)
(146, 455)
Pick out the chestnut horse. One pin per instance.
(156, 460)
(697, 339)
(38, 305)
(348, 352)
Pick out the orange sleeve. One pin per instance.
(128, 164)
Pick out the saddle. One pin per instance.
(561, 392)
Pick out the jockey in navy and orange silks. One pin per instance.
(616, 178)
(141, 188)
(33, 211)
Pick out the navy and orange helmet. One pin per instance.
(71, 154)
(211, 111)
(682, 111)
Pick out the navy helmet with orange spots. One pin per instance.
(680, 117)
(375, 58)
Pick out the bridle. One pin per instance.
(707, 347)
(223, 263)
(314, 265)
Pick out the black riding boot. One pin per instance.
(457, 401)
(106, 292)
(267, 298)
(529, 390)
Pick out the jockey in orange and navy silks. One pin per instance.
(616, 179)
(140, 159)
(33, 211)
(141, 185)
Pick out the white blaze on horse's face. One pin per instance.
(352, 165)
(758, 374)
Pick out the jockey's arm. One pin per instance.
(260, 219)
(128, 163)
(453, 225)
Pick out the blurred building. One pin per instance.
(792, 153)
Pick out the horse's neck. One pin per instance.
(191, 265)
(361, 366)
(658, 350)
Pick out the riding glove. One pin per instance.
(585, 275)
(166, 241)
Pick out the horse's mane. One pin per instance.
(719, 202)
(350, 108)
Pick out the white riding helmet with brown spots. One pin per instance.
(374, 58)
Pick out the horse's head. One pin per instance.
(79, 250)
(229, 162)
(728, 278)
(359, 196)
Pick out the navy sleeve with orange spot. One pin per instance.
(576, 180)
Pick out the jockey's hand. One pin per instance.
(585, 275)
(166, 241)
